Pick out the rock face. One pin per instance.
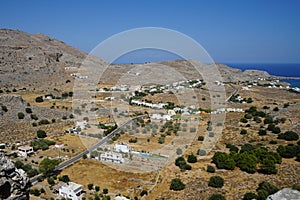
(285, 194)
(14, 184)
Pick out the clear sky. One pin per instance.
(231, 30)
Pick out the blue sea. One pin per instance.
(277, 69)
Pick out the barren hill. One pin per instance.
(35, 60)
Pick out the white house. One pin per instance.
(160, 117)
(70, 190)
(122, 148)
(112, 157)
(171, 112)
(25, 151)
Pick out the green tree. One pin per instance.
(47, 165)
(265, 189)
(90, 186)
(105, 191)
(250, 196)
(51, 181)
(210, 169)
(217, 197)
(177, 184)
(223, 161)
(247, 162)
(97, 188)
(200, 138)
(268, 166)
(216, 181)
(192, 158)
(64, 178)
(289, 136)
(243, 120)
(41, 134)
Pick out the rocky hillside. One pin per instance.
(14, 184)
(35, 60)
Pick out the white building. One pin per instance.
(160, 117)
(25, 151)
(122, 148)
(112, 157)
(70, 190)
(121, 198)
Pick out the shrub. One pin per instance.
(262, 132)
(248, 116)
(39, 99)
(265, 189)
(4, 108)
(41, 134)
(289, 136)
(64, 178)
(44, 121)
(97, 188)
(201, 152)
(50, 181)
(200, 138)
(132, 140)
(247, 162)
(243, 132)
(276, 109)
(217, 197)
(192, 158)
(177, 184)
(243, 120)
(181, 163)
(178, 151)
(223, 161)
(90, 186)
(35, 192)
(210, 169)
(216, 182)
(268, 166)
(28, 110)
(273, 142)
(33, 116)
(21, 115)
(250, 196)
(105, 191)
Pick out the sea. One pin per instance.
(276, 69)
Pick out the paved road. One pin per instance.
(93, 148)
(233, 93)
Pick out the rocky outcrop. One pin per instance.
(14, 184)
(285, 194)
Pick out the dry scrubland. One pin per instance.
(34, 65)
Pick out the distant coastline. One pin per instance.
(285, 72)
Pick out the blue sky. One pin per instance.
(230, 31)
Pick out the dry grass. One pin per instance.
(117, 182)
